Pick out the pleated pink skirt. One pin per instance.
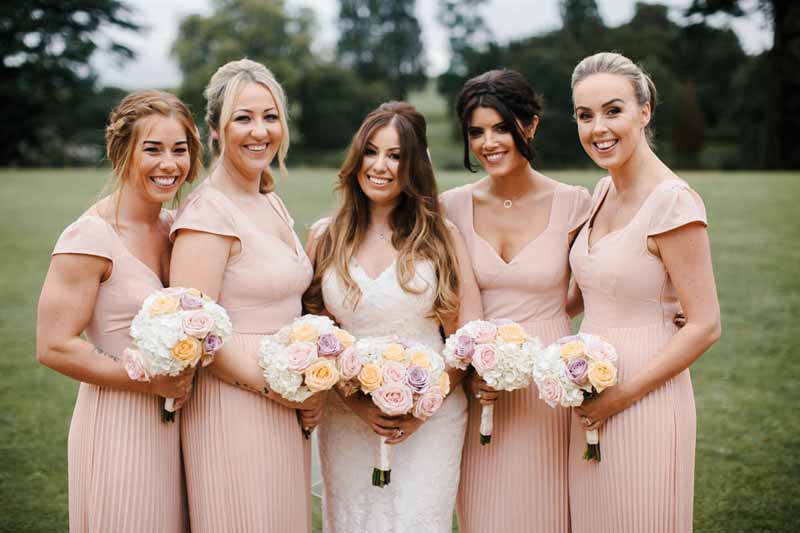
(518, 482)
(248, 468)
(645, 481)
(124, 465)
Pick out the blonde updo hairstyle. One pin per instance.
(613, 63)
(225, 86)
(122, 133)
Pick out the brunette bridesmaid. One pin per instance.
(518, 225)
(643, 253)
(124, 463)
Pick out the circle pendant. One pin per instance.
(507, 204)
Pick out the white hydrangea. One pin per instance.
(514, 364)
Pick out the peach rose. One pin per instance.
(444, 383)
(512, 333)
(189, 349)
(602, 374)
(395, 352)
(420, 359)
(164, 304)
(344, 337)
(304, 333)
(370, 377)
(572, 349)
(321, 375)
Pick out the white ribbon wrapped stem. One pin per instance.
(169, 405)
(487, 420)
(592, 437)
(383, 456)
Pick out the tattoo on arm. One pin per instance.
(245, 386)
(99, 351)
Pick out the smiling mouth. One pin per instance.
(375, 180)
(605, 146)
(256, 148)
(164, 181)
(494, 158)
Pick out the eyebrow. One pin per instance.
(604, 105)
(372, 145)
(250, 110)
(160, 143)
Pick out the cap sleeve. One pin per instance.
(89, 235)
(580, 206)
(677, 205)
(208, 211)
(318, 228)
(281, 207)
(453, 203)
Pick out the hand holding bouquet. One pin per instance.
(573, 369)
(500, 351)
(175, 329)
(302, 358)
(401, 379)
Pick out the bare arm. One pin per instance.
(686, 254)
(65, 308)
(206, 275)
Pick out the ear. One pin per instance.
(530, 131)
(646, 114)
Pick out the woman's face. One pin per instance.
(492, 143)
(378, 176)
(254, 132)
(611, 123)
(161, 158)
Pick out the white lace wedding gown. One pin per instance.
(426, 466)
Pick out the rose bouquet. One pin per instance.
(401, 378)
(175, 329)
(302, 358)
(573, 369)
(500, 352)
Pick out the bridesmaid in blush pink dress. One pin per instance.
(248, 467)
(643, 253)
(518, 225)
(124, 462)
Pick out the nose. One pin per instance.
(599, 124)
(489, 140)
(380, 163)
(259, 128)
(167, 163)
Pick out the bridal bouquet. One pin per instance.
(401, 378)
(175, 329)
(302, 358)
(573, 369)
(500, 352)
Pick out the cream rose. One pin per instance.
(304, 333)
(370, 377)
(444, 383)
(189, 350)
(420, 359)
(602, 374)
(512, 333)
(394, 352)
(572, 349)
(164, 304)
(344, 337)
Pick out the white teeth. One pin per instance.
(378, 181)
(165, 181)
(493, 158)
(604, 145)
(257, 147)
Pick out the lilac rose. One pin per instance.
(329, 345)
(189, 302)
(577, 371)
(465, 347)
(212, 343)
(417, 378)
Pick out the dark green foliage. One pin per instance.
(51, 106)
(381, 41)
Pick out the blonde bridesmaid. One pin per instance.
(124, 463)
(247, 463)
(518, 225)
(644, 252)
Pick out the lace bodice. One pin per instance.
(385, 308)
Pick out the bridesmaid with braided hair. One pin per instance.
(518, 225)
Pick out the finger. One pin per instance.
(388, 433)
(487, 401)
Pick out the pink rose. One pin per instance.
(550, 391)
(484, 358)
(427, 404)
(172, 291)
(134, 365)
(484, 332)
(598, 350)
(393, 399)
(190, 302)
(349, 364)
(394, 372)
(300, 355)
(197, 324)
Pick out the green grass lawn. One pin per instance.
(746, 386)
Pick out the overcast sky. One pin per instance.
(508, 19)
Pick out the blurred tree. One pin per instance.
(262, 30)
(581, 20)
(466, 31)
(47, 85)
(381, 41)
(689, 131)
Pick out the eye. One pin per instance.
(394, 156)
(613, 111)
(501, 128)
(241, 118)
(181, 150)
(474, 132)
(271, 117)
(151, 150)
(369, 151)
(584, 115)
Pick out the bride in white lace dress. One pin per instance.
(386, 264)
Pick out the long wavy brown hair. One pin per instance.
(417, 223)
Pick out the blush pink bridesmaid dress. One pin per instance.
(518, 483)
(247, 465)
(645, 481)
(124, 463)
